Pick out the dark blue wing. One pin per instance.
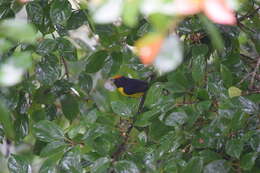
(135, 86)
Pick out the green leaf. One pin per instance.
(195, 165)
(234, 92)
(178, 81)
(125, 166)
(21, 125)
(48, 131)
(35, 12)
(49, 165)
(101, 165)
(198, 68)
(66, 49)
(248, 161)
(53, 148)
(176, 119)
(18, 164)
(46, 46)
(199, 50)
(60, 11)
(18, 30)
(203, 106)
(226, 75)
(96, 61)
(6, 11)
(121, 109)
(143, 120)
(70, 106)
(217, 166)
(77, 19)
(48, 70)
(117, 58)
(209, 156)
(154, 95)
(70, 163)
(6, 122)
(234, 148)
(85, 82)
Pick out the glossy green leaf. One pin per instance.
(18, 164)
(21, 125)
(248, 161)
(198, 68)
(234, 148)
(48, 131)
(199, 50)
(46, 46)
(53, 148)
(117, 59)
(209, 156)
(35, 12)
(101, 165)
(176, 119)
(217, 166)
(67, 49)
(77, 19)
(70, 106)
(6, 122)
(6, 11)
(121, 109)
(226, 76)
(125, 166)
(48, 70)
(70, 163)
(195, 165)
(96, 61)
(143, 120)
(49, 165)
(60, 11)
(85, 82)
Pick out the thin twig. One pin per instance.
(244, 78)
(248, 15)
(241, 26)
(65, 67)
(254, 73)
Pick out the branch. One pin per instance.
(122, 147)
(248, 15)
(65, 67)
(254, 73)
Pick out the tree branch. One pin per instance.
(65, 67)
(122, 147)
(254, 74)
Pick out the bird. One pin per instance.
(130, 87)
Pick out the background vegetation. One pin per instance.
(56, 115)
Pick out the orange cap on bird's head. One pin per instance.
(116, 76)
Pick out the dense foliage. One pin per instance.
(56, 115)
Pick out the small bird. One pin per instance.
(130, 87)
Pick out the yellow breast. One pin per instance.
(121, 90)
